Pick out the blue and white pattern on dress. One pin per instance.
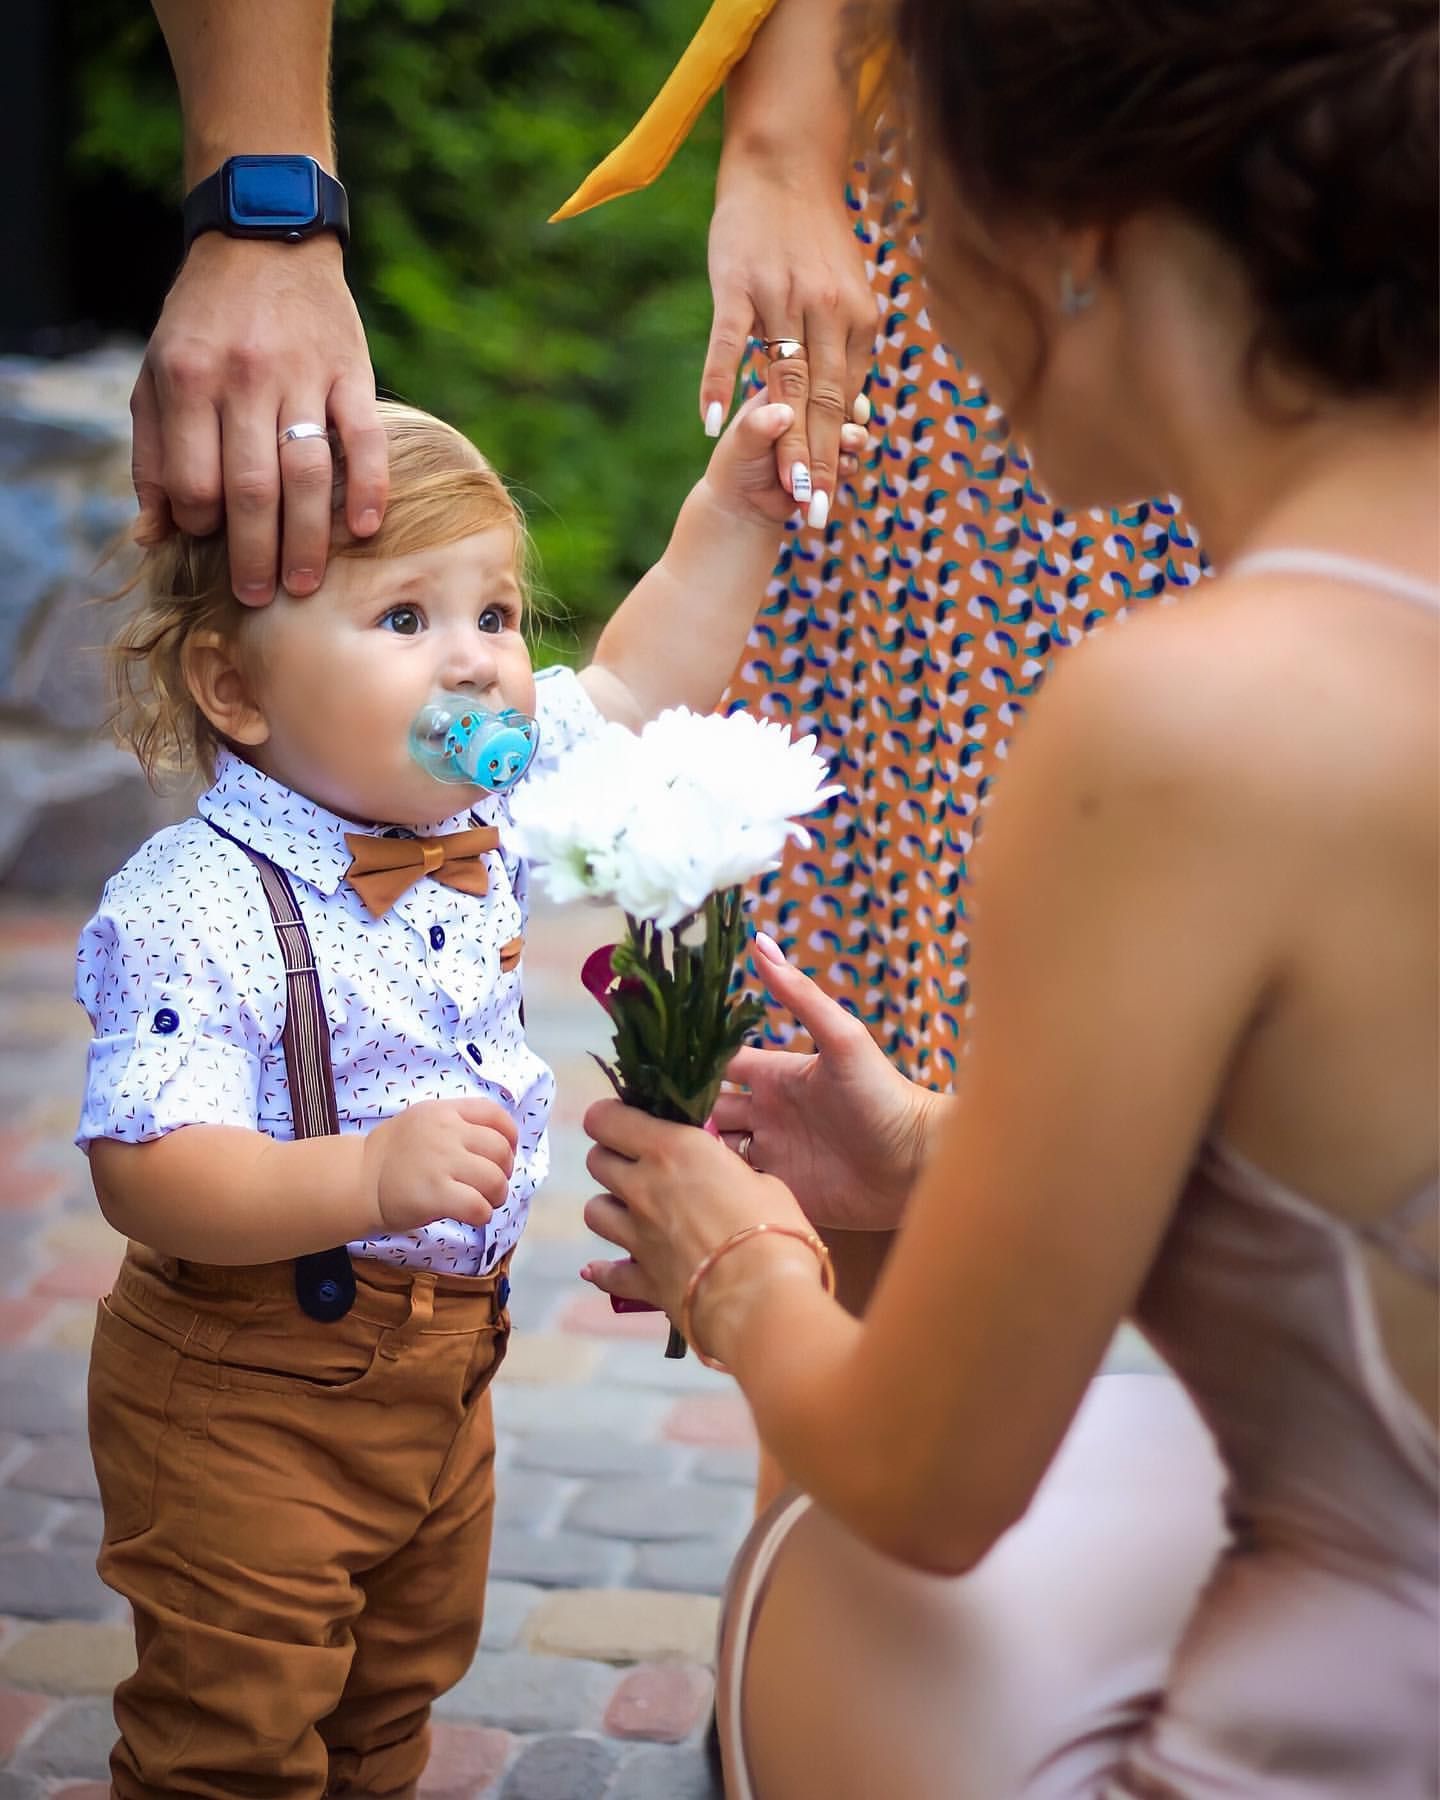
(182, 977)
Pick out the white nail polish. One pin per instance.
(714, 418)
(799, 483)
(819, 510)
(860, 412)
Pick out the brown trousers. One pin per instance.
(299, 1514)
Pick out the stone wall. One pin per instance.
(73, 805)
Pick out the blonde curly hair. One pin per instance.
(441, 489)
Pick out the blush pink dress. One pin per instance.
(1247, 1609)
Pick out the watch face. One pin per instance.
(276, 192)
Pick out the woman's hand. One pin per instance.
(844, 1131)
(674, 1194)
(784, 263)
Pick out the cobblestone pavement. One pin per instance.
(624, 1480)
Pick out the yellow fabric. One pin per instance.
(724, 36)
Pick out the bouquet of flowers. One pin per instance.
(669, 824)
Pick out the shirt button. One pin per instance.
(165, 1021)
(437, 937)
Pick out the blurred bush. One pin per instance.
(570, 353)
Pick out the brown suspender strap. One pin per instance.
(324, 1280)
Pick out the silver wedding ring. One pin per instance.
(294, 434)
(783, 349)
(742, 1149)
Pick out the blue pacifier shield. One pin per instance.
(455, 740)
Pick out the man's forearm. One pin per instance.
(788, 101)
(254, 78)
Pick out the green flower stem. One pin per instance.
(676, 1021)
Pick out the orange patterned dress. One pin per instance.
(909, 635)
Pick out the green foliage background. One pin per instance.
(570, 353)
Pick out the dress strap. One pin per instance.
(1356, 569)
(1391, 1236)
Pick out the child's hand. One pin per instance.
(744, 474)
(440, 1159)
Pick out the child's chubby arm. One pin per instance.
(224, 1194)
(677, 636)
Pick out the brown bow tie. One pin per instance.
(383, 868)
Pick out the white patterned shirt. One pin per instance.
(181, 974)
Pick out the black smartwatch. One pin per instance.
(286, 197)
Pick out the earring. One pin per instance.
(1074, 300)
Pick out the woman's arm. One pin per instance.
(783, 257)
(1131, 898)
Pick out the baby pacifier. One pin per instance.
(453, 739)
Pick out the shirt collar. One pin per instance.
(302, 837)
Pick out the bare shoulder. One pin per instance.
(1262, 697)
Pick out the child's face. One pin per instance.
(339, 677)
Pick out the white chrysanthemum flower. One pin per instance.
(658, 822)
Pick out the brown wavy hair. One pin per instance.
(441, 489)
(1301, 133)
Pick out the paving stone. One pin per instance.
(590, 1455)
(660, 1702)
(514, 1690)
(83, 1234)
(710, 1419)
(591, 1315)
(22, 1787)
(21, 1318)
(526, 1407)
(33, 1407)
(82, 1790)
(563, 1560)
(81, 1524)
(658, 1772)
(561, 1768)
(507, 1606)
(21, 1515)
(647, 1366)
(698, 1567)
(70, 1658)
(74, 1740)
(71, 1326)
(537, 1260)
(527, 1499)
(466, 1761)
(643, 1510)
(81, 1277)
(51, 1584)
(533, 1303)
(18, 1714)
(624, 1625)
(740, 1468)
(556, 1217)
(59, 1466)
(550, 1356)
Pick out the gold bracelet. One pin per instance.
(707, 1263)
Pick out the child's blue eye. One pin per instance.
(492, 619)
(402, 619)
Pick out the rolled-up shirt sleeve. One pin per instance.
(174, 1042)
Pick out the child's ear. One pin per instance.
(221, 688)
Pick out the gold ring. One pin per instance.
(783, 349)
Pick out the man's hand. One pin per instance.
(256, 336)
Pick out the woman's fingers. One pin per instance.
(733, 1113)
(827, 407)
(729, 334)
(607, 1218)
(625, 1279)
(832, 1030)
